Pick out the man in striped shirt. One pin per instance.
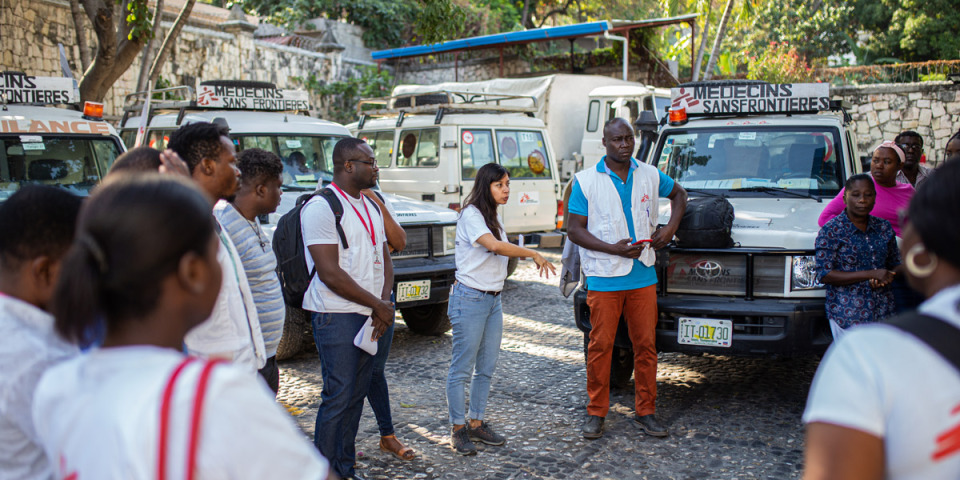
(258, 194)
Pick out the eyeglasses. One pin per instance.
(910, 146)
(368, 162)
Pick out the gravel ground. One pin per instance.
(729, 417)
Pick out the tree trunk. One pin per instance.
(115, 53)
(525, 17)
(715, 52)
(703, 48)
(77, 14)
(168, 41)
(148, 50)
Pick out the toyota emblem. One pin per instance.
(707, 269)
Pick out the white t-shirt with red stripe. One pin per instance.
(98, 417)
(889, 384)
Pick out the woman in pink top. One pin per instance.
(892, 197)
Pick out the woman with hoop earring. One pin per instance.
(885, 402)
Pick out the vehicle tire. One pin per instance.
(621, 367)
(429, 320)
(512, 265)
(621, 364)
(297, 333)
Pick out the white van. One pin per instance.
(617, 101)
(423, 271)
(70, 147)
(429, 147)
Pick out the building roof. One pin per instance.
(528, 36)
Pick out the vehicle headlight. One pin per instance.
(449, 239)
(804, 273)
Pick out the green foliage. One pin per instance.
(911, 30)
(779, 63)
(140, 20)
(438, 21)
(340, 98)
(817, 29)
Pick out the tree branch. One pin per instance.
(146, 61)
(168, 41)
(78, 18)
(555, 11)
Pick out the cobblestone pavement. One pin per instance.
(729, 418)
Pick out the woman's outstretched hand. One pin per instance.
(544, 267)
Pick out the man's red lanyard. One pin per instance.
(372, 231)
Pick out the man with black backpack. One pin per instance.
(344, 236)
(614, 209)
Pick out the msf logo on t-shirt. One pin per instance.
(948, 442)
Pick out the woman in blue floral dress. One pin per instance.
(856, 257)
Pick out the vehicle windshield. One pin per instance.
(75, 163)
(754, 159)
(307, 159)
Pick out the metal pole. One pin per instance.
(501, 62)
(456, 66)
(626, 53)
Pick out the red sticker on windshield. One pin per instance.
(467, 137)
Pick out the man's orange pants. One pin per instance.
(639, 308)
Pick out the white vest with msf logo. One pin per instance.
(606, 221)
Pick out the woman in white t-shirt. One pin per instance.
(474, 309)
(885, 404)
(136, 407)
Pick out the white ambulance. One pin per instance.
(71, 147)
(259, 115)
(778, 153)
(430, 145)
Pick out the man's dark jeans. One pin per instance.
(379, 394)
(346, 372)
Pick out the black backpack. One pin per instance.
(288, 246)
(707, 223)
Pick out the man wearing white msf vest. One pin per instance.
(617, 255)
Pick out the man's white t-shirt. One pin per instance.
(233, 329)
(30, 346)
(478, 267)
(363, 261)
(887, 383)
(98, 415)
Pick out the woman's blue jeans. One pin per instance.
(477, 320)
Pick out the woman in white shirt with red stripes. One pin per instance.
(136, 407)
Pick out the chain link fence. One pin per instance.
(936, 70)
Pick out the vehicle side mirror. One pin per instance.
(646, 122)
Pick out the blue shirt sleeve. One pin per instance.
(666, 184)
(577, 204)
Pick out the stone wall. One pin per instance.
(880, 112)
(30, 32)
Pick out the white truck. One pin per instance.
(566, 103)
(70, 147)
(261, 116)
(778, 153)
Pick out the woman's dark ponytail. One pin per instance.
(76, 307)
(131, 234)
